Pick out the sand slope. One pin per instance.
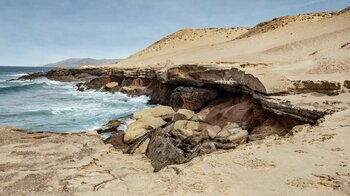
(280, 51)
(274, 40)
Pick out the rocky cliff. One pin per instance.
(210, 108)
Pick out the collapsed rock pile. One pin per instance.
(215, 109)
(168, 137)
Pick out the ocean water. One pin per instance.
(44, 105)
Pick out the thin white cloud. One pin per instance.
(307, 3)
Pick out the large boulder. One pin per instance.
(134, 131)
(164, 112)
(183, 114)
(142, 126)
(111, 126)
(133, 90)
(191, 98)
(184, 128)
(183, 140)
(112, 87)
(152, 121)
(232, 133)
(98, 83)
(161, 150)
(211, 130)
(113, 123)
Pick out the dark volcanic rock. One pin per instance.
(347, 84)
(162, 152)
(168, 148)
(98, 83)
(191, 98)
(32, 76)
(161, 93)
(67, 75)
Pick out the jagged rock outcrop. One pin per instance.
(167, 146)
(231, 79)
(161, 150)
(241, 118)
(217, 108)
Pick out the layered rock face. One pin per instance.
(193, 87)
(205, 109)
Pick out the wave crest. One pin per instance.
(17, 88)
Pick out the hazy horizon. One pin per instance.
(37, 32)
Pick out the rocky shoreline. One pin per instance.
(200, 110)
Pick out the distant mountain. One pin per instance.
(78, 62)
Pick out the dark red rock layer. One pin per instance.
(248, 112)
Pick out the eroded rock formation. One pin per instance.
(214, 109)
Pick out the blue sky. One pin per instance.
(35, 32)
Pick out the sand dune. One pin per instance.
(270, 42)
(301, 47)
(189, 38)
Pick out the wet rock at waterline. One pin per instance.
(113, 123)
(112, 87)
(110, 126)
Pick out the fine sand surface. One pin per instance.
(315, 161)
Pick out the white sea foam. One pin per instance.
(125, 123)
(17, 75)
